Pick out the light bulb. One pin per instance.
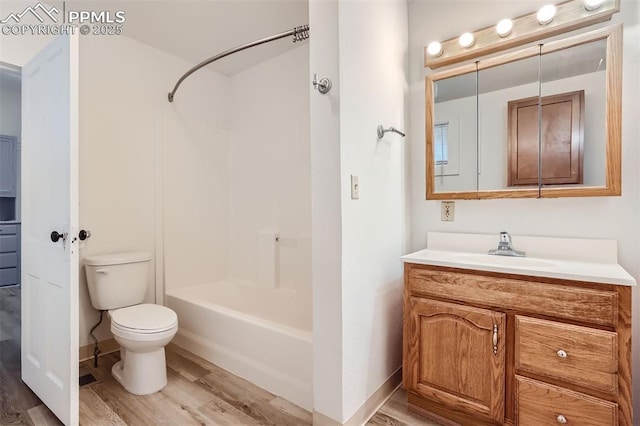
(434, 48)
(593, 4)
(546, 14)
(504, 27)
(466, 40)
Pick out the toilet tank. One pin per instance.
(117, 280)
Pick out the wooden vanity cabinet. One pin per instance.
(483, 348)
(460, 358)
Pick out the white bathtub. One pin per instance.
(262, 335)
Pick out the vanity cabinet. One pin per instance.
(487, 348)
(9, 254)
(458, 358)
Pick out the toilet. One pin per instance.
(118, 284)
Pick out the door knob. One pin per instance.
(83, 235)
(55, 236)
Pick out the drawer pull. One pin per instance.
(561, 419)
(495, 339)
(562, 354)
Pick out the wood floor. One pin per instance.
(200, 393)
(197, 393)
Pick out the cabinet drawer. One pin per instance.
(8, 276)
(583, 356)
(8, 243)
(542, 404)
(8, 260)
(8, 229)
(556, 300)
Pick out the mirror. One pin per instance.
(573, 83)
(454, 137)
(547, 122)
(499, 86)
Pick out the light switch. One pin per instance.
(355, 188)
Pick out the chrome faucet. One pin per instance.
(505, 248)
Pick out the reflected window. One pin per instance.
(441, 144)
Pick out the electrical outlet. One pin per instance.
(447, 211)
(355, 188)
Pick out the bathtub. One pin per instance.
(262, 335)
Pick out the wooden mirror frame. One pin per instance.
(613, 123)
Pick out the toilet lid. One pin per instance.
(146, 317)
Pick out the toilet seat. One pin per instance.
(143, 319)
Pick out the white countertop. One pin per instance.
(604, 270)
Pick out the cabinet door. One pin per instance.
(8, 159)
(456, 356)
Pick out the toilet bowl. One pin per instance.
(117, 283)
(142, 331)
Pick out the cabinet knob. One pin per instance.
(561, 419)
(562, 354)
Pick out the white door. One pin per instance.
(50, 203)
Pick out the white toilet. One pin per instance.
(118, 283)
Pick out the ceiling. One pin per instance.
(197, 30)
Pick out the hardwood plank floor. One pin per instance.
(394, 412)
(197, 392)
(200, 393)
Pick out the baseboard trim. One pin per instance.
(370, 406)
(106, 347)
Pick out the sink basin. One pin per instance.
(503, 260)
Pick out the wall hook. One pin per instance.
(382, 131)
(323, 85)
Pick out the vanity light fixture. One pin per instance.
(549, 21)
(504, 27)
(592, 4)
(435, 49)
(545, 14)
(466, 40)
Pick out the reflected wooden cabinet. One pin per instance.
(484, 348)
(458, 356)
(561, 140)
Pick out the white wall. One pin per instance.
(373, 78)
(326, 219)
(607, 217)
(372, 48)
(270, 173)
(19, 49)
(147, 166)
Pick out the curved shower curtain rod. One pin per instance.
(298, 33)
